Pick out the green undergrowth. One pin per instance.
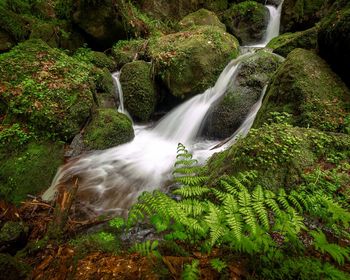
(268, 228)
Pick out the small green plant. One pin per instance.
(147, 249)
(191, 271)
(218, 265)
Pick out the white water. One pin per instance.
(112, 179)
(273, 27)
(119, 93)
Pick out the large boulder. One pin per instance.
(307, 88)
(139, 90)
(107, 129)
(201, 17)
(247, 21)
(280, 154)
(334, 39)
(244, 91)
(189, 62)
(287, 42)
(300, 15)
(46, 89)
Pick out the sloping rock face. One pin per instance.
(307, 88)
(254, 73)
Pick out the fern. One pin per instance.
(218, 265)
(147, 248)
(339, 254)
(191, 191)
(191, 271)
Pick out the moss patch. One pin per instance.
(13, 269)
(285, 43)
(45, 88)
(138, 88)
(107, 129)
(126, 51)
(29, 171)
(279, 153)
(201, 17)
(306, 87)
(189, 62)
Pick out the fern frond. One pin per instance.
(272, 204)
(185, 162)
(244, 198)
(191, 271)
(262, 214)
(193, 207)
(191, 180)
(215, 223)
(233, 217)
(249, 218)
(188, 170)
(191, 191)
(258, 194)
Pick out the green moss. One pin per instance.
(247, 21)
(45, 88)
(216, 5)
(189, 62)
(306, 87)
(107, 129)
(13, 269)
(99, 59)
(201, 17)
(13, 137)
(287, 42)
(125, 51)
(139, 90)
(279, 153)
(29, 171)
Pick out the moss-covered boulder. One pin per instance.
(107, 129)
(140, 97)
(46, 89)
(13, 269)
(334, 39)
(125, 51)
(6, 42)
(29, 170)
(247, 21)
(307, 88)
(300, 15)
(280, 154)
(189, 62)
(101, 22)
(13, 236)
(244, 91)
(287, 42)
(201, 17)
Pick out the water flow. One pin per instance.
(273, 27)
(111, 180)
(119, 92)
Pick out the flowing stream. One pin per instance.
(111, 180)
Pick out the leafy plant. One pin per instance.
(218, 265)
(147, 248)
(191, 271)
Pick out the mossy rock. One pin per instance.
(280, 154)
(165, 9)
(47, 89)
(126, 51)
(217, 6)
(247, 21)
(107, 129)
(140, 97)
(243, 92)
(287, 42)
(12, 268)
(29, 171)
(334, 39)
(300, 15)
(307, 88)
(201, 17)
(189, 62)
(99, 59)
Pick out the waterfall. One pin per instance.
(273, 27)
(119, 93)
(111, 180)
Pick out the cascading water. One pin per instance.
(119, 93)
(112, 179)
